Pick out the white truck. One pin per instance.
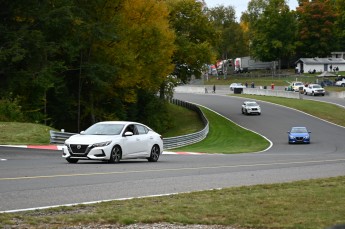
(340, 83)
(314, 89)
(295, 86)
(246, 64)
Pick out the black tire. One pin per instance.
(115, 155)
(242, 111)
(72, 160)
(154, 155)
(246, 112)
(259, 113)
(343, 85)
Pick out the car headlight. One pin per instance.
(306, 137)
(101, 144)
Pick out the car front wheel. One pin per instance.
(154, 154)
(115, 155)
(72, 160)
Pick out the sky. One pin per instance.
(241, 5)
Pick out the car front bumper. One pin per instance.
(299, 140)
(86, 152)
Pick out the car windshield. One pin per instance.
(298, 84)
(104, 129)
(299, 130)
(252, 104)
(316, 86)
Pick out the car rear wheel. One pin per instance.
(72, 160)
(115, 155)
(154, 154)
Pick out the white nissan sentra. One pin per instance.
(113, 141)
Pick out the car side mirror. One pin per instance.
(128, 133)
(288, 132)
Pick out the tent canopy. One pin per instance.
(327, 74)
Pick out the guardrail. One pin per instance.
(57, 137)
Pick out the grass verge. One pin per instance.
(17, 133)
(304, 204)
(187, 123)
(326, 111)
(226, 137)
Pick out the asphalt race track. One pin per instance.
(32, 178)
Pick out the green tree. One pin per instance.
(316, 28)
(231, 40)
(194, 38)
(27, 58)
(272, 29)
(340, 24)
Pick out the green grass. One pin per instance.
(329, 112)
(304, 204)
(226, 137)
(187, 123)
(17, 133)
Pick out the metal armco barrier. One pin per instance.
(169, 143)
(59, 137)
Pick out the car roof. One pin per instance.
(118, 122)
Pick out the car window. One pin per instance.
(299, 130)
(141, 129)
(252, 104)
(104, 129)
(131, 128)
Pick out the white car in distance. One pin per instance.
(251, 107)
(236, 85)
(113, 141)
(314, 89)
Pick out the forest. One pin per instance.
(70, 63)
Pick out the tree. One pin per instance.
(194, 34)
(272, 28)
(316, 28)
(231, 42)
(340, 24)
(79, 62)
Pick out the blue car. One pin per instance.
(299, 135)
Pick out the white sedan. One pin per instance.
(251, 107)
(236, 85)
(113, 141)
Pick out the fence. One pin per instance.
(168, 143)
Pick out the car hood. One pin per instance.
(90, 139)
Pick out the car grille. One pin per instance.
(254, 109)
(299, 138)
(79, 150)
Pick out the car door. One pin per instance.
(146, 141)
(131, 144)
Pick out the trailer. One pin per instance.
(246, 64)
